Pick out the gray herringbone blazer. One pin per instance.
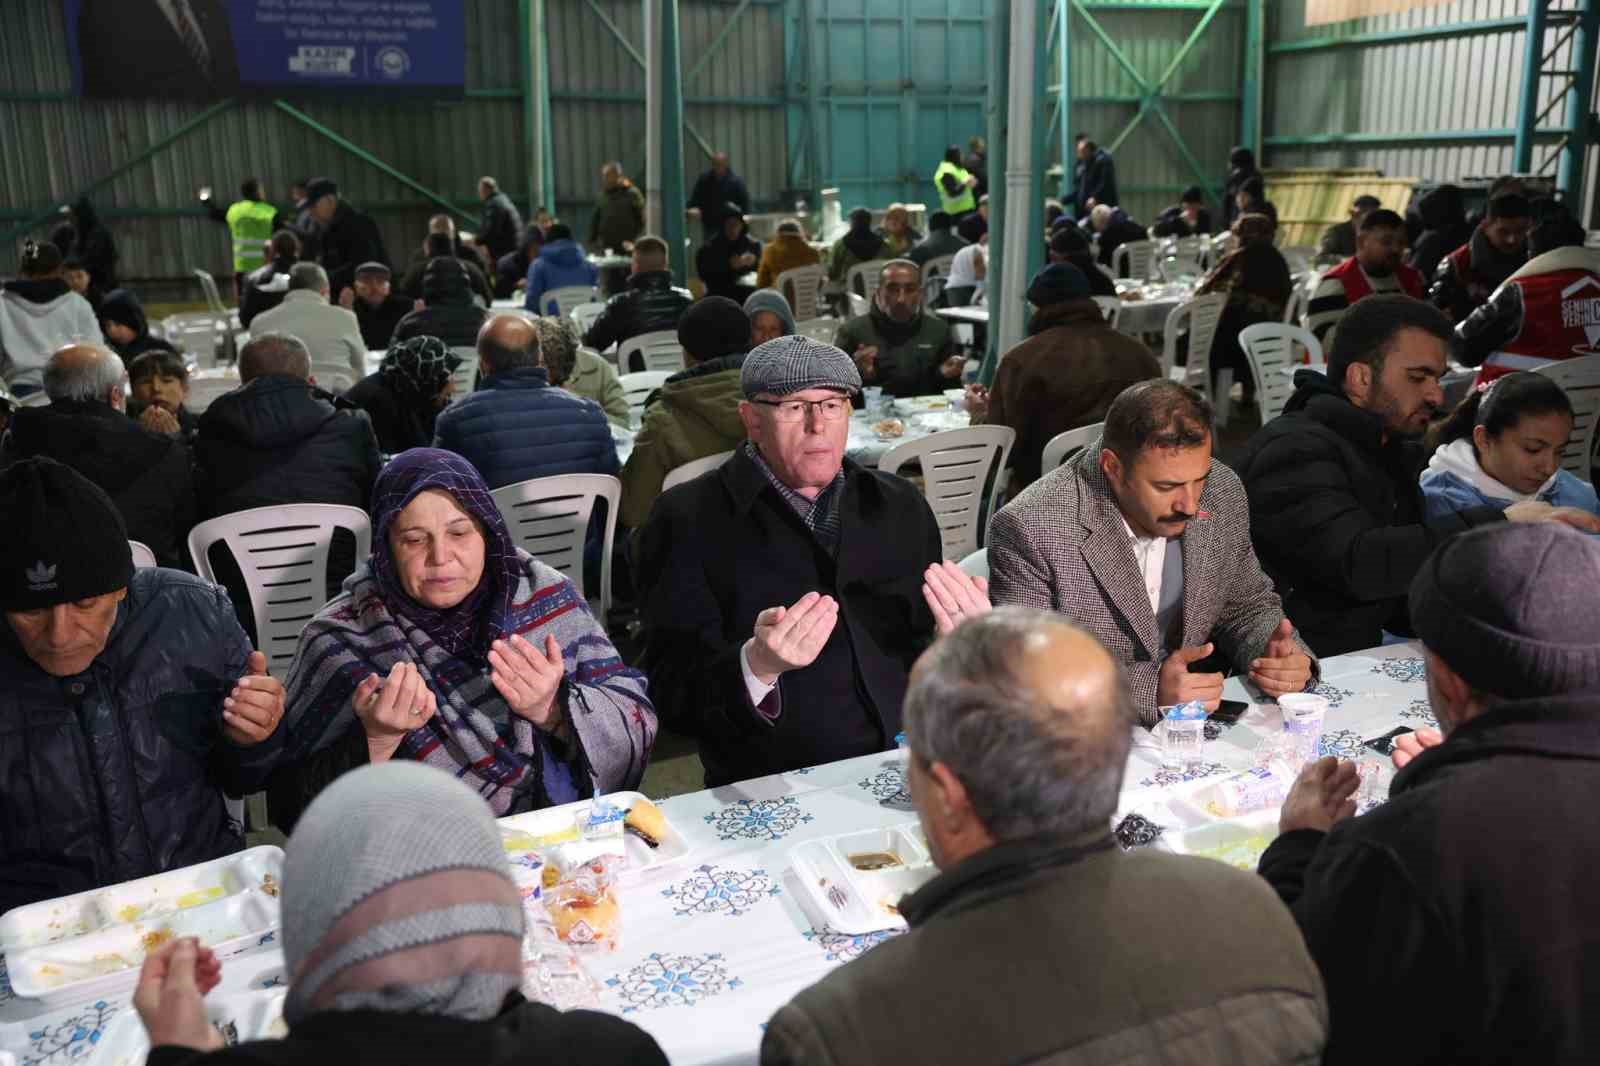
(1061, 546)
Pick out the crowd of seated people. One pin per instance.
(796, 608)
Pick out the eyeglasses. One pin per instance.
(830, 410)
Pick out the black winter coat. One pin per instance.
(1337, 517)
(350, 239)
(500, 226)
(1171, 223)
(120, 771)
(147, 475)
(1463, 897)
(523, 1034)
(712, 264)
(508, 270)
(722, 548)
(650, 303)
(264, 289)
(398, 423)
(280, 440)
(378, 323)
(447, 285)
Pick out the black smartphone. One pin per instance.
(1385, 744)
(1229, 711)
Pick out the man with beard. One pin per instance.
(1375, 268)
(1497, 249)
(1336, 512)
(895, 345)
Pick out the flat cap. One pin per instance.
(373, 268)
(792, 364)
(320, 187)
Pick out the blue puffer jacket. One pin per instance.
(1454, 481)
(119, 772)
(517, 427)
(560, 263)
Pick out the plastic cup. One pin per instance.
(1303, 713)
(872, 396)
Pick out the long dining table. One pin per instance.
(715, 941)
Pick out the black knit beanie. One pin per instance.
(1056, 284)
(714, 327)
(1508, 608)
(62, 538)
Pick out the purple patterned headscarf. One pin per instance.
(467, 629)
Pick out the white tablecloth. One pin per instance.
(922, 415)
(1148, 314)
(715, 943)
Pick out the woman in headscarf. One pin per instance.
(402, 942)
(452, 646)
(407, 392)
(1255, 278)
(770, 316)
(860, 244)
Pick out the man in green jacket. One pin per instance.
(619, 216)
(695, 413)
(896, 345)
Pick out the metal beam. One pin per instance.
(1063, 91)
(1580, 119)
(1254, 76)
(1188, 45)
(621, 38)
(717, 42)
(1321, 140)
(995, 105)
(370, 159)
(664, 132)
(1532, 56)
(602, 96)
(1416, 33)
(1171, 98)
(535, 86)
(160, 146)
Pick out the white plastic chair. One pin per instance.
(1111, 308)
(196, 333)
(465, 372)
(549, 519)
(1298, 258)
(203, 391)
(585, 315)
(1580, 379)
(938, 266)
(1203, 313)
(336, 378)
(1270, 348)
(802, 287)
(283, 554)
(859, 305)
(565, 300)
(1065, 447)
(143, 557)
(976, 564)
(1132, 259)
(1220, 245)
(819, 329)
(35, 399)
(956, 464)
(693, 469)
(868, 274)
(638, 386)
(1183, 255)
(658, 350)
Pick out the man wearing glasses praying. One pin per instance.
(786, 593)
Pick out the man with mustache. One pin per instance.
(1336, 511)
(1144, 541)
(1376, 268)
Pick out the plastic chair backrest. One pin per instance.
(564, 300)
(801, 286)
(938, 266)
(1270, 348)
(659, 350)
(195, 333)
(1299, 259)
(143, 557)
(1111, 308)
(35, 399)
(334, 377)
(549, 519)
(282, 553)
(465, 372)
(868, 275)
(819, 329)
(585, 315)
(1132, 259)
(204, 390)
(1183, 255)
(859, 305)
(693, 469)
(1065, 447)
(208, 285)
(638, 386)
(956, 464)
(1580, 379)
(1203, 313)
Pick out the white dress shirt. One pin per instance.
(758, 689)
(1151, 555)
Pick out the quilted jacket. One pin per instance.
(516, 427)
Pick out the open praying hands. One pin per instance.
(953, 595)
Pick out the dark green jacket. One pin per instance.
(618, 217)
(694, 414)
(909, 368)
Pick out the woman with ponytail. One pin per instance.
(38, 314)
(1502, 445)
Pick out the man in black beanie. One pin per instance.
(1463, 897)
(130, 700)
(1069, 245)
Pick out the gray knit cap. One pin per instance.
(1508, 608)
(794, 364)
(397, 897)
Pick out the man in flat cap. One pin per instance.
(349, 238)
(130, 700)
(1465, 896)
(377, 308)
(787, 593)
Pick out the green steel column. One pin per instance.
(547, 140)
(999, 92)
(1041, 137)
(1064, 97)
(535, 97)
(1254, 74)
(664, 131)
(1579, 123)
(1532, 65)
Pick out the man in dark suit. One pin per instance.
(157, 48)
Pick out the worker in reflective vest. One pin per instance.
(955, 184)
(1547, 310)
(250, 224)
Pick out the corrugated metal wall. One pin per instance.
(1451, 89)
(1151, 172)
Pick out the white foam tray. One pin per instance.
(641, 857)
(868, 898)
(241, 1018)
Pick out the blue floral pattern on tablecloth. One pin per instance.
(5, 982)
(728, 890)
(671, 981)
(843, 947)
(1341, 743)
(69, 1039)
(1168, 776)
(887, 783)
(1420, 712)
(270, 980)
(1408, 670)
(764, 819)
(1332, 693)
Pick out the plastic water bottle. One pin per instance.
(1183, 735)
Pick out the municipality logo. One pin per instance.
(41, 578)
(392, 63)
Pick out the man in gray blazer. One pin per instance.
(1144, 541)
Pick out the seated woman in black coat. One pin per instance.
(727, 257)
(404, 397)
(402, 942)
(1255, 278)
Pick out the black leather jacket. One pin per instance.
(119, 772)
(650, 303)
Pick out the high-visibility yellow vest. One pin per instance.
(964, 201)
(250, 222)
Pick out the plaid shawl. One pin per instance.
(372, 625)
